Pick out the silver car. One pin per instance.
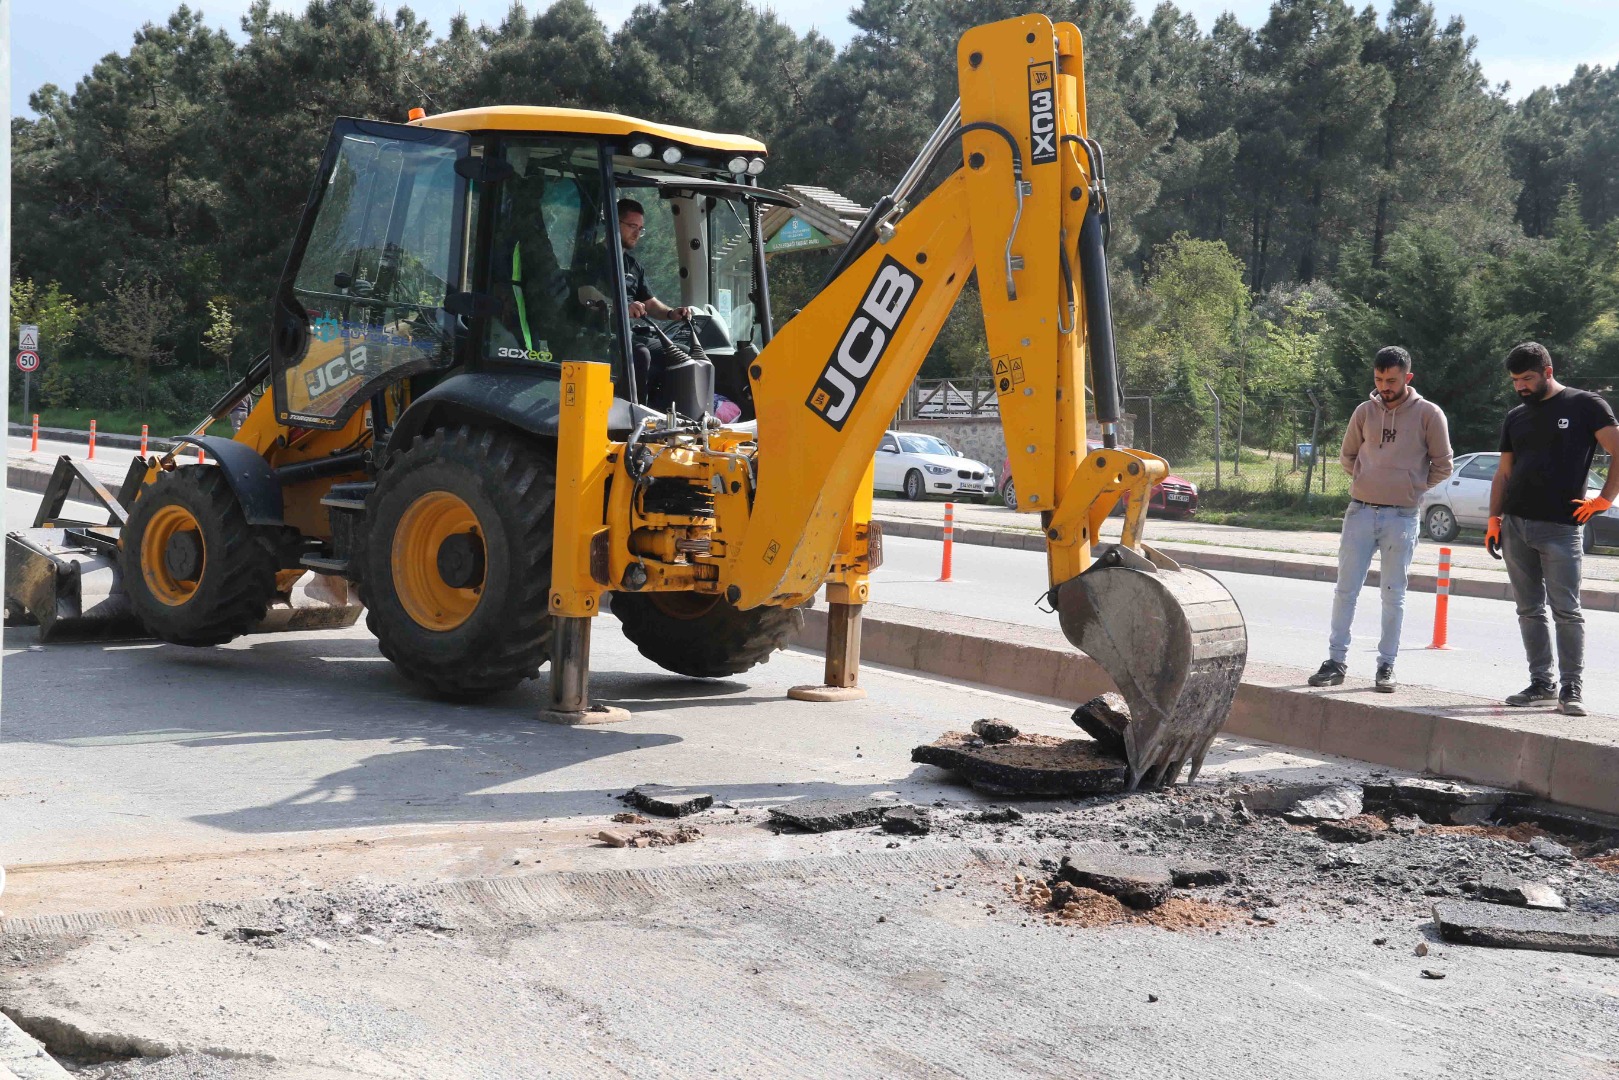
(1463, 502)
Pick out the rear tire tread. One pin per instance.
(722, 642)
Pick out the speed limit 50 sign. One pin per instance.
(27, 361)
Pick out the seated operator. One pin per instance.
(631, 225)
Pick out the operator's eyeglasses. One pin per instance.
(640, 230)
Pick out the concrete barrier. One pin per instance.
(1595, 595)
(1564, 759)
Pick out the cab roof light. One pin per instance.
(418, 113)
(672, 155)
(756, 166)
(737, 165)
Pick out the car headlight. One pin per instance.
(1192, 486)
(939, 470)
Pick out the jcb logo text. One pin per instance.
(863, 343)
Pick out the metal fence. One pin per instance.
(938, 398)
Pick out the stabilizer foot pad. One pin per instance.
(826, 693)
(596, 714)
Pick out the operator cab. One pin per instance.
(486, 240)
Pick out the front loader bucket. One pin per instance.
(66, 586)
(1173, 641)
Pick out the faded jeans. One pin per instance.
(1543, 562)
(1390, 531)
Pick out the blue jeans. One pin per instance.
(1543, 562)
(1392, 532)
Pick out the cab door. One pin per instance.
(361, 302)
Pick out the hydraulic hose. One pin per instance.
(1099, 326)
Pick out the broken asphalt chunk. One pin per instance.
(1104, 719)
(908, 820)
(1440, 802)
(1336, 803)
(1550, 850)
(1499, 889)
(1197, 874)
(1030, 765)
(831, 815)
(1469, 923)
(995, 731)
(667, 801)
(1133, 880)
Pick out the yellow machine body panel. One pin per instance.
(586, 122)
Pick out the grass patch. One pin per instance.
(121, 421)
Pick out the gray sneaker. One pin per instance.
(1385, 679)
(1533, 694)
(1568, 702)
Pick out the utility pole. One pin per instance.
(1210, 387)
(1242, 395)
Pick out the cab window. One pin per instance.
(551, 273)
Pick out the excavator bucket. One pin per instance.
(1173, 641)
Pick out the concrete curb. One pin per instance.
(22, 1058)
(1597, 596)
(117, 440)
(1463, 738)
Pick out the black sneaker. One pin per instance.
(1331, 674)
(1568, 702)
(1533, 694)
(1385, 679)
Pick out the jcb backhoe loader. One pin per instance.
(454, 423)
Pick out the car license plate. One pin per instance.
(1180, 498)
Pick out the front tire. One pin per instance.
(914, 488)
(1440, 524)
(705, 637)
(457, 568)
(194, 570)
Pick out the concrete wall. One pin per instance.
(980, 437)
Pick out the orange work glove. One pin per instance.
(1586, 509)
(1492, 537)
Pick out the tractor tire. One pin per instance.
(456, 573)
(703, 636)
(196, 573)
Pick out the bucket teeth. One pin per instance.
(1174, 643)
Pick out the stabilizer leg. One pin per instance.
(570, 676)
(842, 658)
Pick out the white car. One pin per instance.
(917, 465)
(1463, 502)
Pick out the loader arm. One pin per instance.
(1025, 212)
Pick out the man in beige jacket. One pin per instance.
(1396, 447)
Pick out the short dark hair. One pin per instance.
(1530, 356)
(630, 206)
(1392, 356)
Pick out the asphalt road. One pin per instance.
(1287, 619)
(468, 924)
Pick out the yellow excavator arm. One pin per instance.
(791, 507)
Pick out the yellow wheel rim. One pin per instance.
(424, 594)
(161, 580)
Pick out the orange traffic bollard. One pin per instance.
(143, 440)
(1441, 606)
(949, 539)
(202, 459)
(33, 447)
(92, 455)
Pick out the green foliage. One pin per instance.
(1285, 198)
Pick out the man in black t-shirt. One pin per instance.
(631, 226)
(1538, 508)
